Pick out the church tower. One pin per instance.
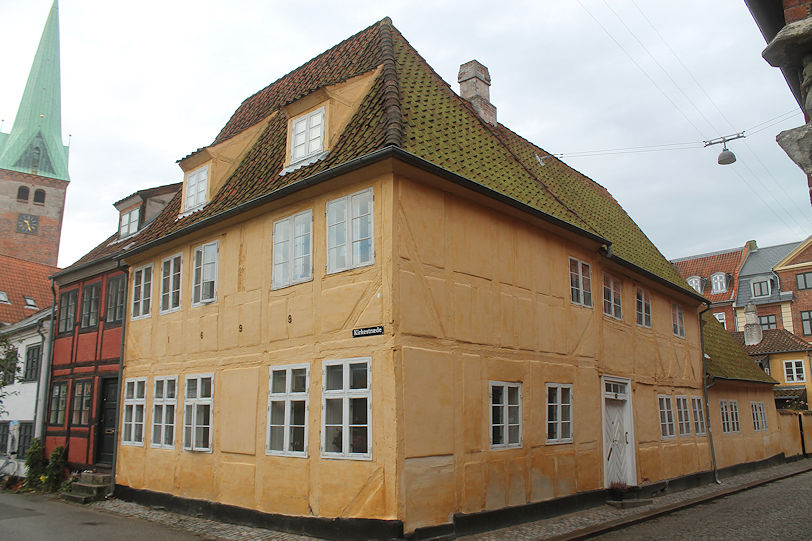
(34, 161)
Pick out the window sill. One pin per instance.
(132, 444)
(303, 281)
(144, 316)
(204, 303)
(308, 160)
(170, 311)
(191, 211)
(347, 457)
(558, 442)
(361, 266)
(283, 454)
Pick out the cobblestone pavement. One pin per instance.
(577, 525)
(570, 526)
(779, 510)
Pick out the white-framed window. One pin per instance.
(346, 408)
(696, 283)
(128, 223)
(4, 298)
(164, 407)
(643, 307)
(293, 250)
(29, 302)
(699, 415)
(730, 416)
(718, 282)
(768, 322)
(683, 416)
(350, 232)
(666, 416)
(720, 317)
(142, 292)
(760, 288)
(559, 413)
(288, 388)
(171, 272)
(505, 414)
(135, 393)
(794, 371)
(204, 285)
(307, 135)
(677, 320)
(612, 295)
(580, 282)
(197, 412)
(759, 411)
(196, 184)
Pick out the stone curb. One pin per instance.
(590, 531)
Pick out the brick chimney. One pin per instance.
(475, 82)
(752, 328)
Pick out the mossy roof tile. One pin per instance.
(727, 359)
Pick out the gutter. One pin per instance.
(648, 274)
(42, 367)
(705, 387)
(46, 366)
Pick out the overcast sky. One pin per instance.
(145, 83)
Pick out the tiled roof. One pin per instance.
(764, 259)
(411, 107)
(728, 261)
(727, 359)
(20, 278)
(774, 341)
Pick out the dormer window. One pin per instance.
(30, 302)
(307, 135)
(129, 223)
(718, 282)
(196, 184)
(4, 298)
(696, 283)
(761, 288)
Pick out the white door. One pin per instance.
(618, 434)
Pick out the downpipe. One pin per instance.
(705, 387)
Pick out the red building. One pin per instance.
(84, 387)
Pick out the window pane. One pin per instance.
(297, 434)
(335, 377)
(279, 381)
(297, 412)
(498, 434)
(358, 376)
(358, 439)
(513, 434)
(298, 382)
(358, 411)
(277, 413)
(334, 411)
(277, 438)
(333, 439)
(205, 387)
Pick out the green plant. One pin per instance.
(55, 470)
(34, 463)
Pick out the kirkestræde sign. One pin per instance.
(367, 331)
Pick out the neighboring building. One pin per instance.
(795, 274)
(23, 406)
(84, 383)
(715, 275)
(761, 285)
(787, 27)
(373, 307)
(34, 162)
(783, 356)
(24, 288)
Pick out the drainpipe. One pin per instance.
(43, 366)
(50, 359)
(118, 376)
(705, 387)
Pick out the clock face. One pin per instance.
(28, 224)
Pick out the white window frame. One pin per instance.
(613, 304)
(677, 320)
(696, 283)
(699, 415)
(306, 122)
(557, 406)
(163, 421)
(141, 300)
(345, 394)
(287, 397)
(763, 413)
(133, 403)
(718, 282)
(4, 298)
(198, 271)
(285, 256)
(729, 410)
(720, 317)
(505, 424)
(683, 416)
(759, 281)
(759, 417)
(643, 312)
(580, 282)
(791, 372)
(193, 403)
(128, 223)
(666, 409)
(194, 189)
(175, 274)
(30, 302)
(734, 416)
(351, 236)
(766, 326)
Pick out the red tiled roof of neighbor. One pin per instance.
(704, 266)
(18, 279)
(774, 341)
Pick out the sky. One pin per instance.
(625, 91)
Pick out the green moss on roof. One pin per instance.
(727, 359)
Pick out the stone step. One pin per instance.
(94, 478)
(627, 503)
(94, 491)
(77, 498)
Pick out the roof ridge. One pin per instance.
(708, 254)
(28, 261)
(393, 115)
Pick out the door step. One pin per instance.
(630, 502)
(90, 487)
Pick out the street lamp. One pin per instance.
(726, 157)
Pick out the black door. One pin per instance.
(106, 440)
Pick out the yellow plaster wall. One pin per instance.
(250, 328)
(779, 374)
(481, 296)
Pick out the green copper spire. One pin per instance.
(34, 144)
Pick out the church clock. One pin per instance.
(28, 224)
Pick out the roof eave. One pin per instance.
(631, 266)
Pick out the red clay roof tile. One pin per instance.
(19, 278)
